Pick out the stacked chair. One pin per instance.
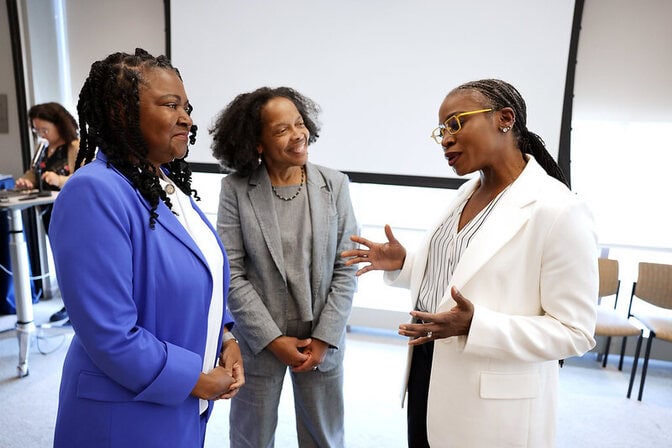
(610, 323)
(654, 286)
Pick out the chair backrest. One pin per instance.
(609, 283)
(654, 284)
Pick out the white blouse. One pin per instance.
(206, 241)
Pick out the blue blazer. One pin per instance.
(138, 299)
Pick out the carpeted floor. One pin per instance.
(593, 410)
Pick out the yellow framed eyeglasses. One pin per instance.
(452, 125)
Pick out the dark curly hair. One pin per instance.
(109, 115)
(59, 116)
(501, 94)
(237, 130)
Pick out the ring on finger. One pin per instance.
(429, 334)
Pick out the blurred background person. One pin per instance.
(54, 124)
(284, 223)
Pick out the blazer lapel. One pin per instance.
(421, 256)
(319, 196)
(504, 222)
(167, 220)
(261, 198)
(165, 217)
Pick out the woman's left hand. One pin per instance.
(316, 352)
(231, 359)
(455, 322)
(52, 178)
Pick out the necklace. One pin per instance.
(303, 177)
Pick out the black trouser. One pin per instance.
(418, 390)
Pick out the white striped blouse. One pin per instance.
(445, 250)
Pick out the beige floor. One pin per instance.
(593, 410)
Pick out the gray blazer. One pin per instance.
(258, 294)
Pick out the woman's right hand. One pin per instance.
(24, 184)
(214, 384)
(289, 350)
(388, 256)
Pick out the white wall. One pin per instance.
(96, 29)
(622, 123)
(93, 29)
(622, 94)
(10, 149)
(621, 145)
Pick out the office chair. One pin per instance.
(611, 323)
(654, 286)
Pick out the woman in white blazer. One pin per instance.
(504, 286)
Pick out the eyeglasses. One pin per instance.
(40, 131)
(453, 125)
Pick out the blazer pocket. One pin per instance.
(509, 386)
(94, 386)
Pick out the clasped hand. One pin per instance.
(226, 379)
(302, 355)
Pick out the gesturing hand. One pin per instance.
(388, 256)
(455, 322)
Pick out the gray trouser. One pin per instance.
(318, 405)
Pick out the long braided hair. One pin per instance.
(502, 94)
(109, 119)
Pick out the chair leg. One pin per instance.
(606, 351)
(652, 335)
(635, 361)
(620, 362)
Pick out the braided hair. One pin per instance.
(59, 116)
(109, 116)
(502, 94)
(238, 127)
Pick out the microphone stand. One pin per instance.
(38, 160)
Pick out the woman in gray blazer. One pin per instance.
(284, 222)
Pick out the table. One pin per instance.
(21, 271)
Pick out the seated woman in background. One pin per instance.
(53, 122)
(58, 127)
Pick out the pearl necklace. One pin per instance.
(275, 192)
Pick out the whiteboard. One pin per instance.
(379, 69)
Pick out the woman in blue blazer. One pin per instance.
(141, 271)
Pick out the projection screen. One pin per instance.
(379, 69)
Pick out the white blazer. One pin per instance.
(531, 272)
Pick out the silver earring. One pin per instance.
(505, 129)
(259, 160)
